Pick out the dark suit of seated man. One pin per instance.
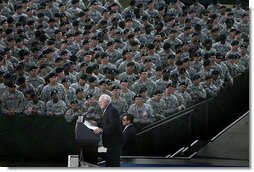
(129, 135)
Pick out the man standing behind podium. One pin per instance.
(111, 131)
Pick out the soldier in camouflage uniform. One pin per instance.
(53, 85)
(118, 101)
(12, 100)
(210, 88)
(92, 102)
(126, 93)
(196, 90)
(129, 74)
(35, 106)
(143, 112)
(182, 91)
(55, 107)
(144, 81)
(73, 112)
(33, 78)
(158, 105)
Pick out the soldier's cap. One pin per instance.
(173, 75)
(8, 31)
(218, 55)
(123, 80)
(23, 52)
(75, 23)
(30, 22)
(64, 80)
(68, 35)
(109, 82)
(61, 4)
(215, 72)
(51, 20)
(159, 68)
(173, 31)
(150, 46)
(209, 21)
(114, 72)
(195, 34)
(47, 51)
(2, 73)
(33, 67)
(208, 77)
(245, 14)
(91, 79)
(51, 74)
(183, 83)
(59, 70)
(118, 32)
(206, 62)
(137, 29)
(53, 92)
(196, 76)
(79, 90)
(84, 77)
(215, 30)
(126, 51)
(171, 56)
(231, 56)
(186, 59)
(232, 30)
(147, 60)
(7, 76)
(233, 43)
(156, 92)
(74, 1)
(115, 87)
(110, 43)
(179, 62)
(130, 64)
(237, 2)
(11, 84)
(74, 102)
(138, 96)
(243, 46)
(89, 69)
(89, 96)
(102, 82)
(142, 90)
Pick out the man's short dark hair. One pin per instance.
(129, 117)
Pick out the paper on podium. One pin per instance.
(90, 125)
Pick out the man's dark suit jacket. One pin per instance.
(129, 141)
(111, 125)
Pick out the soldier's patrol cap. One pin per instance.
(142, 90)
(196, 76)
(1, 73)
(186, 59)
(156, 92)
(30, 22)
(91, 79)
(183, 83)
(215, 72)
(110, 43)
(84, 77)
(59, 70)
(232, 30)
(123, 80)
(158, 68)
(237, 2)
(126, 51)
(89, 96)
(53, 92)
(33, 67)
(233, 43)
(115, 87)
(206, 62)
(138, 96)
(174, 75)
(243, 46)
(147, 60)
(171, 56)
(74, 102)
(109, 82)
(8, 31)
(131, 64)
(137, 29)
(51, 74)
(74, 1)
(79, 90)
(231, 56)
(173, 31)
(102, 82)
(11, 84)
(47, 51)
(114, 72)
(245, 14)
(208, 77)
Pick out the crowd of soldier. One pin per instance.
(152, 58)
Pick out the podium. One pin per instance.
(88, 142)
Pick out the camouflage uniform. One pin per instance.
(158, 107)
(45, 94)
(143, 114)
(13, 102)
(70, 115)
(31, 107)
(58, 109)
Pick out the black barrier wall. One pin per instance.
(199, 122)
(52, 139)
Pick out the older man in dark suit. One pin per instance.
(111, 131)
(129, 135)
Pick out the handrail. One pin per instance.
(168, 120)
(228, 127)
(177, 113)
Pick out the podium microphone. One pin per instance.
(90, 110)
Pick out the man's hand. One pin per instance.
(98, 130)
